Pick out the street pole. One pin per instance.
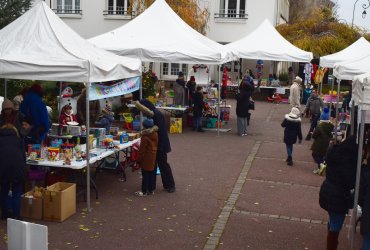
(364, 6)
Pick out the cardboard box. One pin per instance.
(31, 207)
(59, 201)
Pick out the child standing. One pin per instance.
(292, 131)
(106, 118)
(147, 157)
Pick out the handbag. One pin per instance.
(251, 105)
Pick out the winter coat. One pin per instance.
(179, 91)
(64, 119)
(81, 109)
(315, 104)
(12, 148)
(242, 103)
(149, 109)
(148, 149)
(341, 160)
(294, 97)
(364, 199)
(191, 88)
(321, 135)
(198, 104)
(34, 108)
(292, 130)
(105, 121)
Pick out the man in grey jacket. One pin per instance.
(314, 105)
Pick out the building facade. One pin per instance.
(229, 20)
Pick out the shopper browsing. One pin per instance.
(147, 157)
(198, 110)
(292, 131)
(106, 118)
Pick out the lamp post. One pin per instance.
(364, 6)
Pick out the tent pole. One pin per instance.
(331, 100)
(219, 100)
(141, 97)
(336, 113)
(60, 97)
(6, 88)
(87, 146)
(352, 124)
(358, 175)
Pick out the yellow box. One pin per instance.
(175, 125)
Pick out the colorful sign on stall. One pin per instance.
(100, 91)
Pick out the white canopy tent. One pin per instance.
(40, 46)
(266, 43)
(347, 70)
(355, 51)
(160, 35)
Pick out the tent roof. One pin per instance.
(40, 46)
(160, 35)
(356, 50)
(346, 70)
(266, 43)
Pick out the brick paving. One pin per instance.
(232, 193)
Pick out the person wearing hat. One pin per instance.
(106, 118)
(191, 84)
(34, 109)
(164, 146)
(314, 105)
(292, 131)
(295, 93)
(179, 90)
(147, 157)
(8, 113)
(322, 136)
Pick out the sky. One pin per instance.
(345, 12)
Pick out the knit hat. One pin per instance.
(181, 74)
(148, 123)
(298, 80)
(36, 87)
(8, 104)
(192, 78)
(325, 116)
(294, 113)
(107, 109)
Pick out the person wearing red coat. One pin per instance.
(66, 115)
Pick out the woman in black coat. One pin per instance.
(12, 171)
(292, 131)
(335, 192)
(242, 107)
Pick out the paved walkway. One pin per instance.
(232, 193)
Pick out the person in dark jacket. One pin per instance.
(322, 136)
(335, 192)
(364, 202)
(314, 105)
(191, 85)
(292, 131)
(198, 110)
(164, 146)
(34, 108)
(179, 90)
(147, 157)
(242, 108)
(12, 172)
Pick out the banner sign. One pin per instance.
(100, 91)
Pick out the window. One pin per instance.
(68, 7)
(173, 69)
(165, 69)
(232, 9)
(118, 7)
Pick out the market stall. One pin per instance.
(40, 46)
(171, 39)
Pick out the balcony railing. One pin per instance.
(231, 13)
(119, 11)
(68, 11)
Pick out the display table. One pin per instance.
(100, 154)
(267, 91)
